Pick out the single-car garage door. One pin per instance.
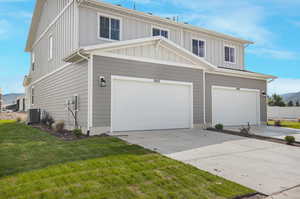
(232, 106)
(146, 104)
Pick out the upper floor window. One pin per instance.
(50, 55)
(230, 54)
(160, 32)
(109, 28)
(199, 47)
(32, 61)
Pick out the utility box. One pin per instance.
(34, 116)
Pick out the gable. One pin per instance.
(150, 51)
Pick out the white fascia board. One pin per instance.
(243, 74)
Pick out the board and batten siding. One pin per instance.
(105, 66)
(238, 82)
(138, 27)
(65, 41)
(51, 93)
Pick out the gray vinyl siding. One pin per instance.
(52, 92)
(65, 41)
(138, 27)
(105, 66)
(230, 81)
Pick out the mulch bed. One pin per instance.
(64, 135)
(252, 196)
(260, 137)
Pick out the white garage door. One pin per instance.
(143, 104)
(231, 106)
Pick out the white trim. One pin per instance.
(160, 29)
(52, 23)
(235, 88)
(148, 60)
(205, 46)
(138, 79)
(204, 96)
(240, 74)
(235, 54)
(50, 46)
(110, 17)
(90, 92)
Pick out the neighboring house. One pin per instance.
(124, 70)
(21, 104)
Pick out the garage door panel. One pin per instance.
(235, 107)
(147, 105)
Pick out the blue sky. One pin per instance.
(274, 26)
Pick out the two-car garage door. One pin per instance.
(232, 106)
(146, 104)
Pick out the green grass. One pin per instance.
(34, 164)
(289, 124)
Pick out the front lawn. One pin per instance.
(34, 164)
(289, 124)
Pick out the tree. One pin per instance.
(276, 100)
(290, 103)
(297, 103)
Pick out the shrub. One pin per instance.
(77, 132)
(290, 139)
(277, 123)
(59, 126)
(299, 120)
(47, 119)
(219, 127)
(19, 119)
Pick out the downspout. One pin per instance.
(90, 87)
(204, 98)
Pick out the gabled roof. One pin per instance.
(195, 61)
(34, 24)
(157, 41)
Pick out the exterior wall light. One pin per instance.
(102, 81)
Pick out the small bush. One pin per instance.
(19, 119)
(290, 140)
(219, 127)
(47, 119)
(277, 123)
(299, 120)
(77, 132)
(59, 126)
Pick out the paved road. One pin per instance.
(263, 166)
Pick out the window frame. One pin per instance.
(205, 46)
(160, 29)
(50, 47)
(110, 17)
(229, 46)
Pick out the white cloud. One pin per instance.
(273, 53)
(284, 85)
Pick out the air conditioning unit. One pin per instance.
(34, 116)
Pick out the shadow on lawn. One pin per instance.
(23, 148)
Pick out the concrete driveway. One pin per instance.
(271, 131)
(263, 166)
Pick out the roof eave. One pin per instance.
(187, 26)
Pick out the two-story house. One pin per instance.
(128, 70)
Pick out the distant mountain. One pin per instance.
(291, 97)
(11, 98)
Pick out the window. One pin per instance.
(198, 47)
(229, 54)
(32, 61)
(160, 32)
(109, 28)
(50, 47)
(32, 96)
